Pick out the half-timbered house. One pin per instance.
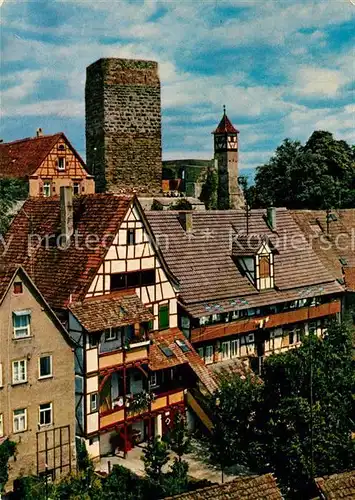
(95, 260)
(46, 163)
(250, 284)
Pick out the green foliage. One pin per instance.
(318, 175)
(209, 189)
(298, 422)
(155, 456)
(11, 191)
(122, 484)
(181, 204)
(83, 460)
(178, 439)
(7, 450)
(29, 487)
(176, 480)
(156, 205)
(79, 486)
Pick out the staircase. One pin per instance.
(198, 410)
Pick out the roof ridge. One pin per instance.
(26, 139)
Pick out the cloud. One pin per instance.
(319, 82)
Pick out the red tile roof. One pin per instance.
(333, 243)
(159, 361)
(116, 309)
(225, 127)
(64, 276)
(242, 488)
(202, 259)
(337, 486)
(22, 158)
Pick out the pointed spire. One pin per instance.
(225, 125)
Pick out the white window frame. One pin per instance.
(94, 402)
(1, 425)
(153, 381)
(208, 355)
(19, 418)
(18, 363)
(61, 159)
(47, 189)
(43, 411)
(226, 353)
(111, 334)
(17, 329)
(235, 348)
(51, 367)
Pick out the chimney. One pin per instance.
(66, 212)
(271, 218)
(185, 219)
(39, 132)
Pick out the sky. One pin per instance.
(283, 68)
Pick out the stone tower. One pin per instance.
(123, 125)
(226, 154)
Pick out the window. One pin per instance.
(1, 425)
(209, 354)
(151, 322)
(163, 316)
(131, 237)
(226, 350)
(61, 163)
(136, 279)
(264, 266)
(18, 289)
(312, 328)
(235, 348)
(201, 352)
(111, 334)
(19, 371)
(153, 379)
(20, 420)
(45, 414)
(45, 366)
(94, 340)
(21, 324)
(46, 189)
(76, 188)
(94, 402)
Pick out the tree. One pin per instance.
(155, 456)
(122, 484)
(209, 189)
(181, 204)
(178, 439)
(298, 422)
(11, 191)
(7, 450)
(318, 175)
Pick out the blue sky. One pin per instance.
(282, 67)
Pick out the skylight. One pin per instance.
(182, 344)
(166, 350)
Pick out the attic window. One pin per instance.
(265, 271)
(182, 344)
(166, 351)
(61, 163)
(18, 289)
(61, 147)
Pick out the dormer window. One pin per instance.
(61, 163)
(264, 271)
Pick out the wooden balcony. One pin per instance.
(116, 416)
(246, 325)
(135, 352)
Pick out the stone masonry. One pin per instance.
(123, 125)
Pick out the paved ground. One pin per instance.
(198, 469)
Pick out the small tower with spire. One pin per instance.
(226, 155)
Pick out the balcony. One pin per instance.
(116, 416)
(132, 353)
(247, 325)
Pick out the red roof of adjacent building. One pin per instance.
(63, 275)
(21, 158)
(225, 126)
(159, 361)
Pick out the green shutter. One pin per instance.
(163, 316)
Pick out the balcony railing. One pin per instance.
(129, 354)
(160, 402)
(211, 332)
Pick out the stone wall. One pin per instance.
(123, 125)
